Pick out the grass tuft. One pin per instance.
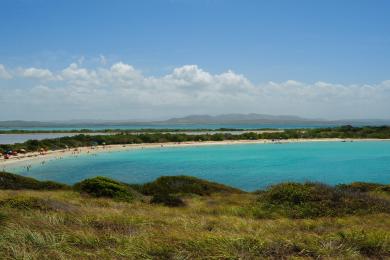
(31, 203)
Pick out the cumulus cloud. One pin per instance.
(43, 74)
(122, 91)
(4, 74)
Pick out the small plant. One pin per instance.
(105, 187)
(167, 200)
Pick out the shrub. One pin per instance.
(360, 186)
(315, 200)
(364, 187)
(105, 187)
(167, 200)
(16, 182)
(183, 185)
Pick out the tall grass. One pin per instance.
(281, 222)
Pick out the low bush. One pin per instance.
(11, 181)
(183, 185)
(360, 186)
(316, 200)
(105, 187)
(167, 200)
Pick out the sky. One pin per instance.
(156, 59)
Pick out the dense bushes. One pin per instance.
(294, 200)
(315, 200)
(364, 187)
(183, 185)
(105, 187)
(157, 137)
(17, 182)
(167, 200)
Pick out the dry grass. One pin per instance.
(212, 227)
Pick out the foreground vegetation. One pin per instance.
(101, 218)
(82, 140)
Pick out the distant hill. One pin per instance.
(239, 118)
(199, 119)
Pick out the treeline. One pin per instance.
(123, 131)
(382, 132)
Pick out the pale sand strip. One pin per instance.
(35, 157)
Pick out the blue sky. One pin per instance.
(338, 42)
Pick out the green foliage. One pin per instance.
(156, 136)
(360, 186)
(183, 185)
(167, 200)
(310, 200)
(16, 182)
(105, 187)
(45, 225)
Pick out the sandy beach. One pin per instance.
(36, 157)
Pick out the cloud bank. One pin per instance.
(120, 91)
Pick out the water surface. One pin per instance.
(20, 138)
(169, 126)
(247, 166)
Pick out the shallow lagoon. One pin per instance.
(246, 166)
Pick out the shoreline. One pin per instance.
(36, 157)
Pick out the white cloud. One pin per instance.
(43, 74)
(74, 72)
(122, 70)
(4, 74)
(122, 91)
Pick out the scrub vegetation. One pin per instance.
(180, 217)
(81, 140)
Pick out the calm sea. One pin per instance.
(171, 126)
(248, 166)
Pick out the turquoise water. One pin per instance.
(248, 166)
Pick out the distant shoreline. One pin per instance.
(36, 157)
